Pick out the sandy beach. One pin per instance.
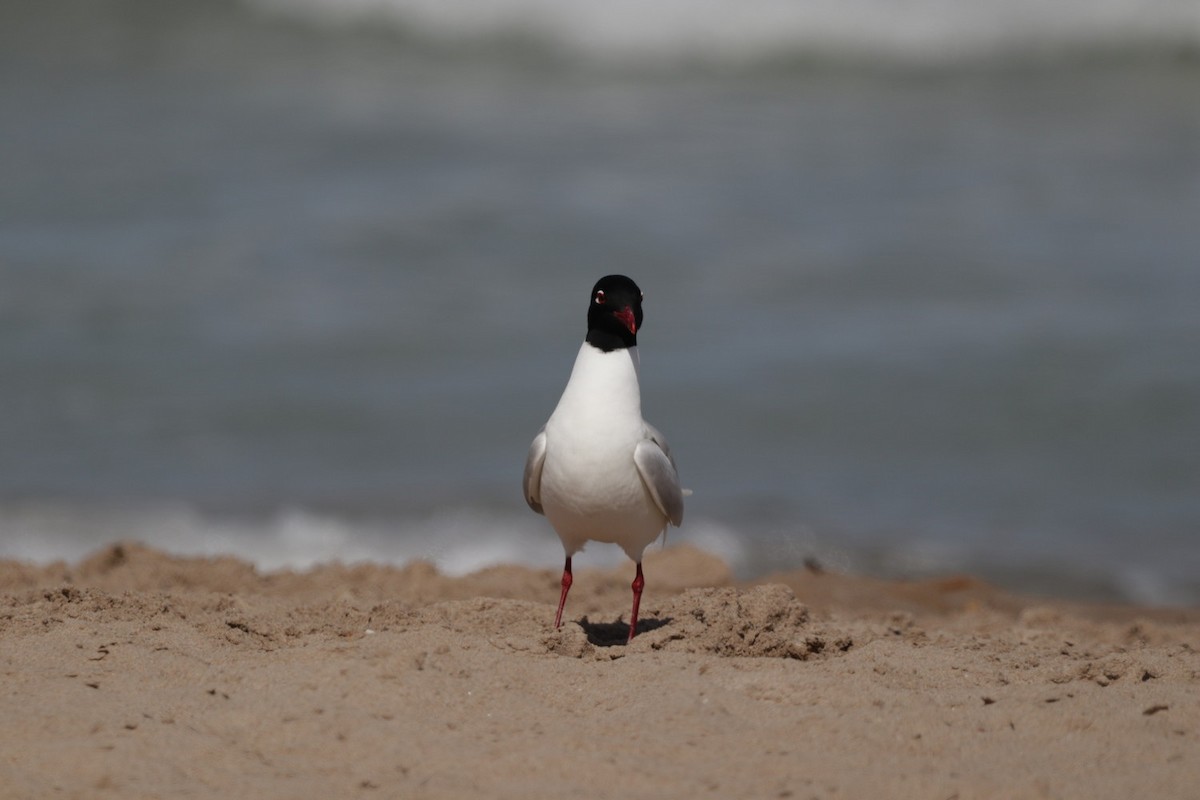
(138, 674)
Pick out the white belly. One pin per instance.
(593, 492)
(590, 486)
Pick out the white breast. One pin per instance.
(590, 486)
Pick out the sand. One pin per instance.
(136, 674)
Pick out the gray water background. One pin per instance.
(908, 319)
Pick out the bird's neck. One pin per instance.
(604, 383)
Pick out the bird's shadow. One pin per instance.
(609, 634)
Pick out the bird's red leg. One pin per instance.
(566, 587)
(638, 583)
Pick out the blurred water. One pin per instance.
(301, 289)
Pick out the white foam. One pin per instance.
(1150, 588)
(463, 540)
(748, 30)
(458, 541)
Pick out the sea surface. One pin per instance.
(299, 280)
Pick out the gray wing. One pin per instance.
(654, 463)
(655, 434)
(533, 471)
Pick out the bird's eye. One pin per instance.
(599, 297)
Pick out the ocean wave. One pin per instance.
(457, 540)
(752, 31)
(460, 541)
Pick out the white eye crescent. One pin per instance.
(599, 297)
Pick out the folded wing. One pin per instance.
(533, 472)
(654, 463)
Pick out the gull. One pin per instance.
(597, 470)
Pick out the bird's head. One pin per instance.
(614, 313)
